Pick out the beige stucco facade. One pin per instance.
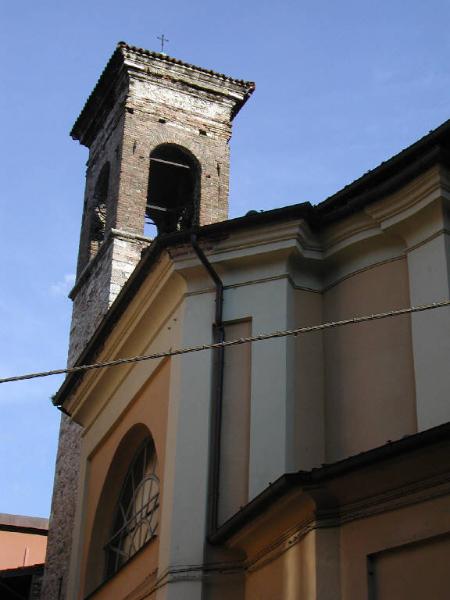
(376, 532)
(290, 404)
(147, 412)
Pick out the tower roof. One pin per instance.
(164, 57)
(127, 58)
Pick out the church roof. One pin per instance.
(407, 445)
(23, 523)
(389, 175)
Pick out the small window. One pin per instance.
(173, 190)
(136, 517)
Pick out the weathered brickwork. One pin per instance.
(105, 149)
(62, 511)
(142, 100)
(99, 285)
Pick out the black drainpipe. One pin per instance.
(217, 393)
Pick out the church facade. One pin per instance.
(313, 466)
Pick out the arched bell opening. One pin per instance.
(98, 211)
(173, 190)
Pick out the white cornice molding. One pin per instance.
(385, 213)
(408, 201)
(256, 241)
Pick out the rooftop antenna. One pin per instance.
(163, 40)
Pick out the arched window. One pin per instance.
(98, 214)
(126, 516)
(173, 189)
(136, 518)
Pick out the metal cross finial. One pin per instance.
(163, 41)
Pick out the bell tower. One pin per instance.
(157, 130)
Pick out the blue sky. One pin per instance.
(341, 86)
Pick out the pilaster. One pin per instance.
(429, 277)
(184, 512)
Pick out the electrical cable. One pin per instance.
(235, 342)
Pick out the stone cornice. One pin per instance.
(91, 265)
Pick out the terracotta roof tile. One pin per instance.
(170, 59)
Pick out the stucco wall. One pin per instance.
(290, 577)
(417, 570)
(308, 374)
(369, 373)
(395, 531)
(149, 407)
(400, 554)
(21, 549)
(137, 577)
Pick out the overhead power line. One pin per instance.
(245, 340)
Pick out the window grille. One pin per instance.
(136, 518)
